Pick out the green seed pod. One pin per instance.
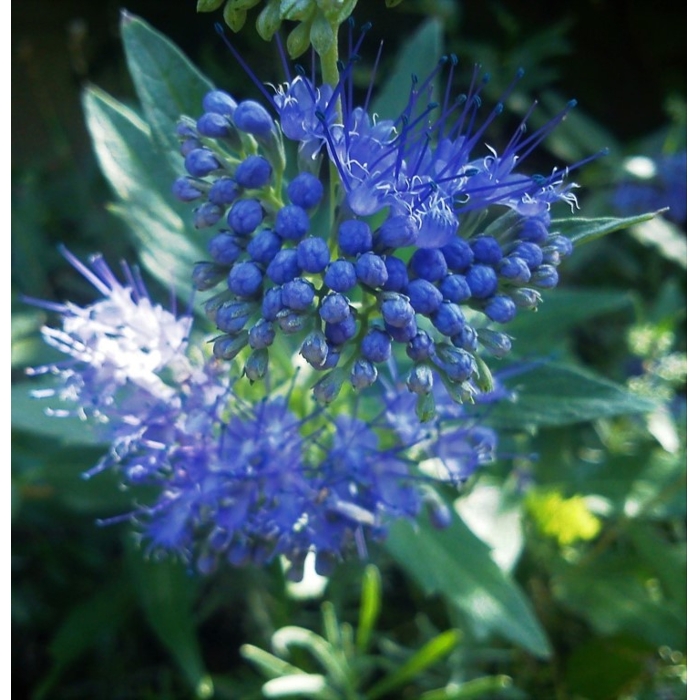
(234, 17)
(425, 407)
(323, 38)
(269, 20)
(297, 10)
(299, 39)
(208, 5)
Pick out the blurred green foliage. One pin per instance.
(564, 574)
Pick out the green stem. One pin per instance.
(329, 61)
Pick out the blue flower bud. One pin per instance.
(425, 297)
(200, 162)
(551, 256)
(448, 319)
(371, 270)
(334, 308)
(376, 346)
(264, 246)
(467, 339)
(531, 253)
(305, 190)
(185, 189)
(272, 303)
(232, 316)
(292, 222)
(220, 102)
(245, 216)
(245, 279)
(545, 276)
(420, 380)
(314, 349)
(314, 255)
(189, 145)
(206, 275)
(206, 215)
(455, 288)
(534, 230)
(284, 267)
(497, 343)
(458, 364)
(402, 334)
(562, 244)
(340, 333)
(298, 294)
(363, 374)
(397, 274)
(487, 250)
(458, 255)
(397, 310)
(354, 237)
(223, 249)
(500, 308)
(252, 118)
(186, 128)
(421, 347)
(514, 269)
(340, 276)
(213, 125)
(254, 172)
(329, 386)
(482, 280)
(291, 321)
(397, 231)
(428, 264)
(223, 191)
(226, 347)
(261, 335)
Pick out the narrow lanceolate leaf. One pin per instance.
(141, 181)
(456, 564)
(167, 596)
(580, 230)
(436, 649)
(559, 394)
(167, 83)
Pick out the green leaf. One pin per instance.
(616, 596)
(370, 605)
(601, 669)
(559, 312)
(558, 394)
(456, 564)
(268, 664)
(30, 414)
(139, 177)
(580, 230)
(478, 688)
(167, 83)
(666, 238)
(85, 625)
(429, 654)
(418, 56)
(167, 594)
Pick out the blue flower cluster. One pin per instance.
(239, 481)
(408, 260)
